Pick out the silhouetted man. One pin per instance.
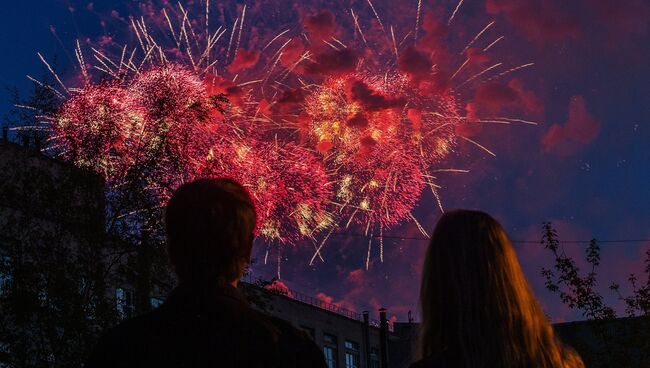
(206, 322)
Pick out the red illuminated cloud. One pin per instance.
(330, 300)
(580, 129)
(435, 32)
(320, 26)
(291, 53)
(245, 59)
(492, 98)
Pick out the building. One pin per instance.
(348, 339)
(619, 342)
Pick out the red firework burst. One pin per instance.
(91, 128)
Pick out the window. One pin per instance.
(351, 354)
(330, 349)
(374, 358)
(124, 303)
(156, 302)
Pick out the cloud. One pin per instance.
(359, 120)
(491, 99)
(373, 100)
(279, 287)
(332, 62)
(245, 59)
(580, 129)
(415, 63)
(292, 52)
(325, 298)
(320, 26)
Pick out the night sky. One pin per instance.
(586, 167)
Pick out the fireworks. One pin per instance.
(90, 128)
(288, 184)
(326, 131)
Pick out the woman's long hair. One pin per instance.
(477, 307)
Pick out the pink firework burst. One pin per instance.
(288, 183)
(181, 124)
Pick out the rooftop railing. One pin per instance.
(318, 303)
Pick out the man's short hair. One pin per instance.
(210, 226)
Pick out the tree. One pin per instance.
(613, 342)
(53, 298)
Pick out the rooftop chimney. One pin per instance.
(383, 337)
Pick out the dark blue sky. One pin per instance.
(591, 178)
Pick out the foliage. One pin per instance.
(609, 341)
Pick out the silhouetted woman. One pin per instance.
(477, 307)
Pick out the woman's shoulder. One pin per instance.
(430, 362)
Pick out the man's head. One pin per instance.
(210, 225)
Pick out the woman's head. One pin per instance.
(476, 303)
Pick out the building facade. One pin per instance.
(348, 339)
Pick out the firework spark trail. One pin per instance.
(232, 35)
(49, 68)
(480, 74)
(477, 37)
(374, 11)
(460, 68)
(510, 71)
(241, 29)
(493, 43)
(478, 145)
(519, 121)
(46, 86)
(417, 22)
(274, 39)
(453, 14)
(356, 24)
(80, 60)
(392, 34)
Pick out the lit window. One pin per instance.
(157, 302)
(351, 354)
(330, 350)
(124, 303)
